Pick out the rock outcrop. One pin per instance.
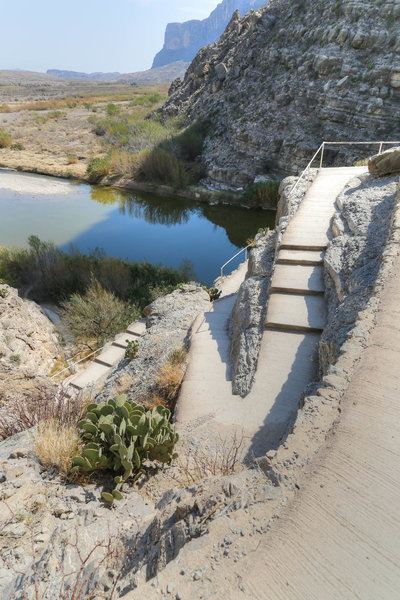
(169, 319)
(29, 345)
(183, 40)
(386, 163)
(284, 78)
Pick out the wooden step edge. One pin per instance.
(292, 261)
(289, 327)
(138, 335)
(74, 385)
(104, 363)
(297, 291)
(305, 247)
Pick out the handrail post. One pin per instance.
(380, 148)
(322, 155)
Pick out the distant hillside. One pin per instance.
(184, 40)
(163, 74)
(18, 77)
(79, 75)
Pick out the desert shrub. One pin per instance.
(213, 293)
(5, 139)
(72, 159)
(59, 274)
(43, 405)
(162, 166)
(132, 349)
(17, 146)
(56, 114)
(112, 109)
(97, 316)
(187, 145)
(98, 168)
(15, 359)
(121, 436)
(56, 445)
(263, 193)
(198, 462)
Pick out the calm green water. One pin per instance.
(141, 227)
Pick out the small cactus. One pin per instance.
(121, 435)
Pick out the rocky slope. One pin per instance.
(183, 40)
(337, 62)
(29, 345)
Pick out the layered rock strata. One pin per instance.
(284, 78)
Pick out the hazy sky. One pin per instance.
(89, 35)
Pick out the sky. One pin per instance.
(89, 35)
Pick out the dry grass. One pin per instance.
(56, 445)
(170, 376)
(72, 159)
(42, 406)
(197, 464)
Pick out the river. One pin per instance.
(126, 224)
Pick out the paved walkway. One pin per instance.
(340, 537)
(288, 354)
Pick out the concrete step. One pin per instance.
(137, 328)
(300, 257)
(302, 241)
(123, 339)
(92, 374)
(298, 279)
(296, 312)
(111, 356)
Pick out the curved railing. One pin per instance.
(303, 174)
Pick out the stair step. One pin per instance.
(137, 328)
(123, 339)
(111, 356)
(300, 257)
(296, 312)
(92, 374)
(298, 279)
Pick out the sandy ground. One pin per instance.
(27, 184)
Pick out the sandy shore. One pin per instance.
(22, 183)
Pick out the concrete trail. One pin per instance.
(288, 355)
(340, 537)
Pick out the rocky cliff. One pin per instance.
(183, 40)
(29, 346)
(284, 78)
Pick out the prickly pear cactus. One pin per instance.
(121, 435)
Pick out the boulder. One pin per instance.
(387, 163)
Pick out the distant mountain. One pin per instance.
(21, 77)
(164, 74)
(79, 75)
(183, 40)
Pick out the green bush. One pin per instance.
(132, 349)
(17, 146)
(121, 436)
(263, 193)
(112, 109)
(161, 166)
(98, 168)
(5, 139)
(214, 293)
(188, 145)
(60, 274)
(97, 316)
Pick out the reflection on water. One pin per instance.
(240, 224)
(137, 226)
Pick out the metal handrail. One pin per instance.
(322, 150)
(77, 362)
(237, 254)
(303, 173)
